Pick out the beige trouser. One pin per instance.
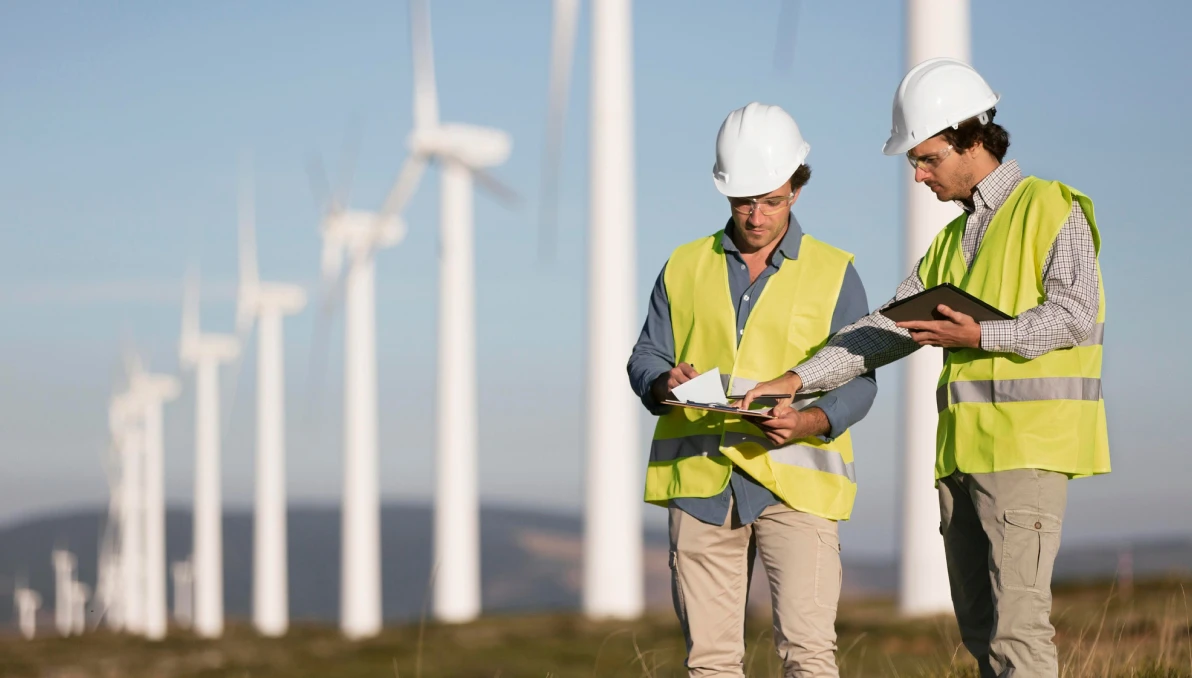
(1001, 535)
(710, 573)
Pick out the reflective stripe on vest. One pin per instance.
(1018, 390)
(805, 456)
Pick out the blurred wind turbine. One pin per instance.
(463, 152)
(203, 353)
(788, 30)
(268, 303)
(27, 601)
(64, 578)
(150, 392)
(613, 578)
(125, 422)
(183, 592)
(356, 236)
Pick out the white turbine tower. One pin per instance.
(125, 417)
(107, 586)
(357, 235)
(27, 602)
(462, 152)
(183, 593)
(79, 592)
(203, 353)
(267, 303)
(64, 573)
(613, 575)
(934, 28)
(151, 392)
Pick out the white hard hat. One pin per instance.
(758, 148)
(937, 94)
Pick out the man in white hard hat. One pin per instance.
(1020, 400)
(753, 299)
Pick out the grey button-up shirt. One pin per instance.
(654, 355)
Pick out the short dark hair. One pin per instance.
(991, 135)
(800, 177)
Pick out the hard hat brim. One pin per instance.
(898, 144)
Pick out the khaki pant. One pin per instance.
(710, 573)
(1001, 535)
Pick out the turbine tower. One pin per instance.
(64, 573)
(463, 152)
(613, 576)
(151, 392)
(183, 593)
(125, 417)
(934, 28)
(356, 236)
(267, 303)
(203, 353)
(27, 602)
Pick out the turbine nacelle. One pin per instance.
(356, 233)
(472, 145)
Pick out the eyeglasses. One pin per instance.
(930, 161)
(769, 206)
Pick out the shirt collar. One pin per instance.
(788, 247)
(992, 191)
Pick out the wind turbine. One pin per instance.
(79, 592)
(203, 353)
(27, 602)
(356, 235)
(107, 586)
(64, 572)
(151, 392)
(933, 29)
(268, 303)
(183, 592)
(463, 152)
(613, 575)
(124, 419)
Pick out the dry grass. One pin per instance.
(1099, 633)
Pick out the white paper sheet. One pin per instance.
(706, 388)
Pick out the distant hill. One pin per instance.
(530, 560)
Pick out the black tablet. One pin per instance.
(922, 306)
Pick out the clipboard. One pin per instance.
(724, 409)
(922, 306)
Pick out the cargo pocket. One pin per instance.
(827, 569)
(1029, 547)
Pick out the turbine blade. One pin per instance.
(788, 29)
(426, 98)
(249, 282)
(501, 191)
(320, 185)
(348, 155)
(565, 21)
(190, 305)
(403, 188)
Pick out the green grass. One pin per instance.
(1099, 633)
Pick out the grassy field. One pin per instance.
(1100, 632)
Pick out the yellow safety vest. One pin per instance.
(694, 450)
(1000, 411)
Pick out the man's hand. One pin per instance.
(790, 424)
(667, 381)
(787, 383)
(956, 331)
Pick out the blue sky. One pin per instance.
(120, 132)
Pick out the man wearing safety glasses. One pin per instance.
(1020, 400)
(753, 299)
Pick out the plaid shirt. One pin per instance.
(1066, 318)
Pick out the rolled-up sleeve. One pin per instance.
(654, 352)
(848, 404)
